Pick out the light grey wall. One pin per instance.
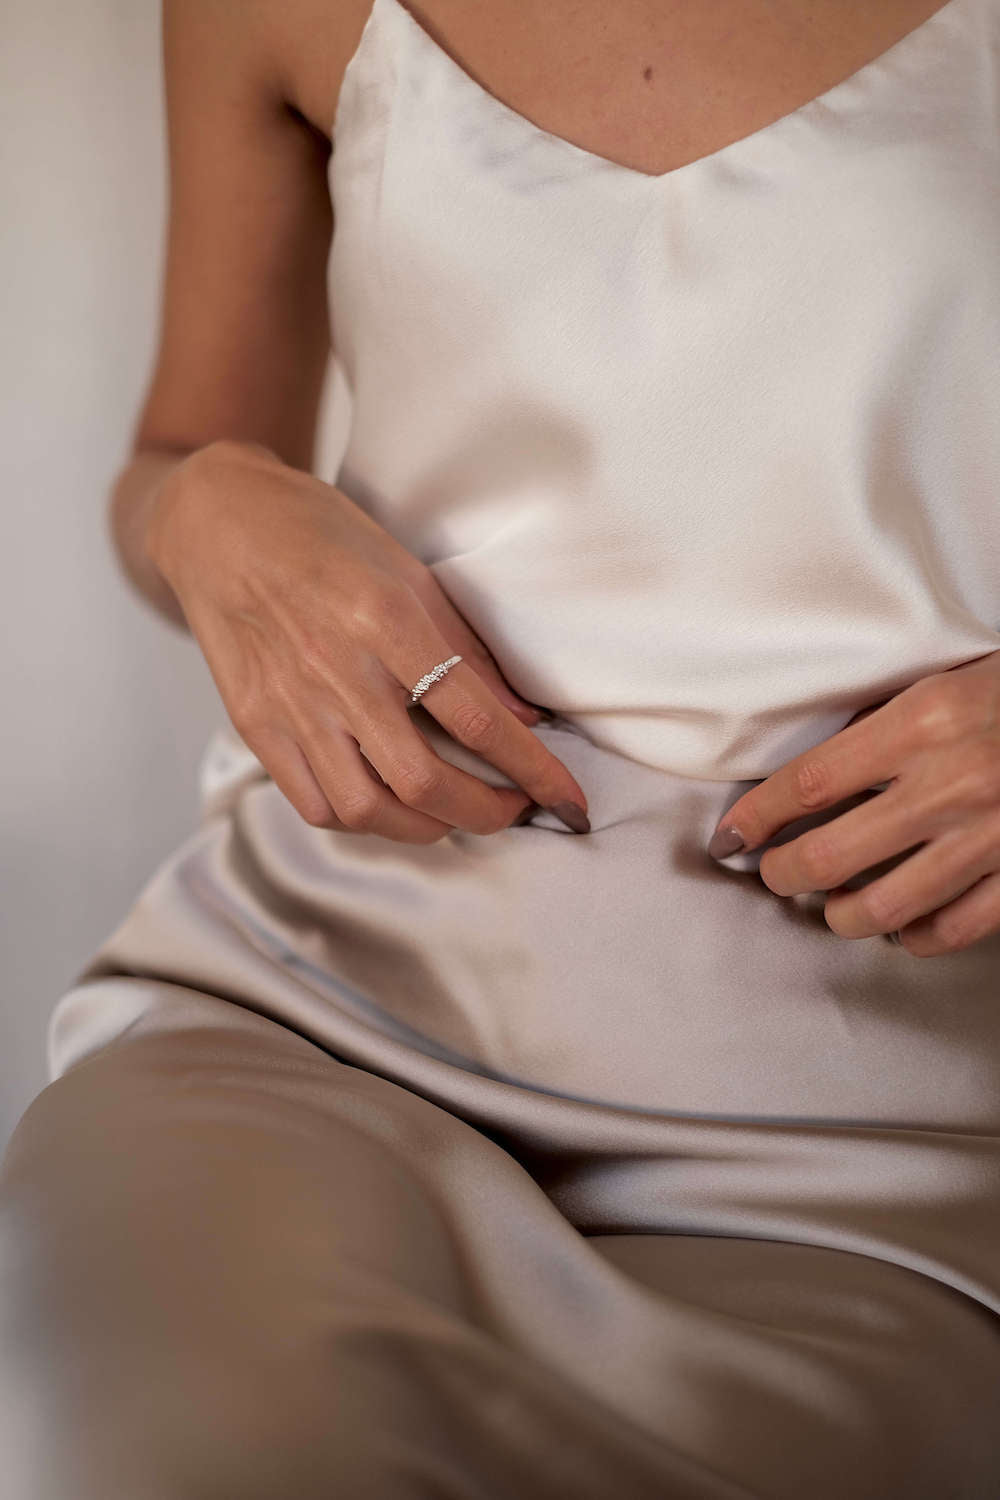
(105, 708)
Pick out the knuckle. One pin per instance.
(475, 726)
(358, 808)
(952, 933)
(247, 717)
(939, 707)
(319, 817)
(382, 610)
(980, 778)
(417, 782)
(820, 860)
(881, 909)
(813, 783)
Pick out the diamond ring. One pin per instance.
(431, 677)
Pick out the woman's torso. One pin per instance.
(685, 385)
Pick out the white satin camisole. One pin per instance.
(709, 459)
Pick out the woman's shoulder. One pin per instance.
(243, 337)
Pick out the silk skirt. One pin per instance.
(535, 1164)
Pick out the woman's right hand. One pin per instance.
(315, 624)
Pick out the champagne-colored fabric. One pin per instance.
(545, 1164)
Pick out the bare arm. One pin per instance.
(315, 622)
(244, 330)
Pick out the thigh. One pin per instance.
(232, 1265)
(818, 1372)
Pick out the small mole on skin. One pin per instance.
(647, 73)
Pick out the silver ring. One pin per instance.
(431, 677)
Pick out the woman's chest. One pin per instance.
(650, 85)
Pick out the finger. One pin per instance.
(421, 778)
(288, 768)
(963, 922)
(866, 753)
(463, 705)
(345, 795)
(827, 856)
(485, 665)
(455, 629)
(361, 800)
(926, 880)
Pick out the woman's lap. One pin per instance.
(234, 1265)
(231, 1263)
(528, 1166)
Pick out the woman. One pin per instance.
(486, 1103)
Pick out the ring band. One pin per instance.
(431, 677)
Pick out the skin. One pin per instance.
(315, 637)
(937, 745)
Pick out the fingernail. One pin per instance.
(725, 841)
(526, 815)
(894, 937)
(538, 715)
(572, 815)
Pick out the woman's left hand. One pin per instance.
(937, 744)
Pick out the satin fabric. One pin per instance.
(542, 1164)
(711, 459)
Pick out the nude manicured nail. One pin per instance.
(572, 815)
(725, 841)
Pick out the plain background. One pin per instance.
(106, 707)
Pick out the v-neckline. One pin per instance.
(915, 36)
